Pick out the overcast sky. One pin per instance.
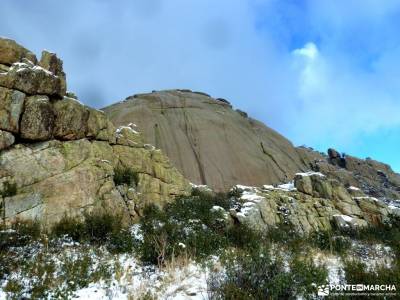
(324, 73)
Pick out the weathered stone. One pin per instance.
(52, 63)
(99, 127)
(11, 106)
(303, 184)
(11, 52)
(37, 121)
(128, 136)
(32, 80)
(6, 139)
(345, 222)
(71, 119)
(55, 178)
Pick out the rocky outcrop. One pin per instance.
(374, 178)
(55, 178)
(59, 157)
(313, 202)
(208, 141)
(11, 52)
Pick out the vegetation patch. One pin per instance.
(258, 275)
(125, 175)
(9, 189)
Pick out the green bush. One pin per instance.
(188, 225)
(243, 237)
(125, 175)
(72, 227)
(325, 240)
(358, 272)
(120, 242)
(255, 275)
(210, 198)
(96, 228)
(20, 234)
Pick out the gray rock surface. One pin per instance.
(208, 141)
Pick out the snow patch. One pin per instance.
(310, 173)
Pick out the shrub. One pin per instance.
(255, 275)
(71, 227)
(97, 228)
(188, 225)
(243, 237)
(9, 189)
(358, 272)
(325, 240)
(125, 175)
(212, 199)
(120, 242)
(20, 234)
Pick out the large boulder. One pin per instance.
(99, 127)
(37, 122)
(52, 63)
(32, 79)
(11, 108)
(11, 52)
(71, 119)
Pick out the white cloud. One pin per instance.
(309, 51)
(343, 83)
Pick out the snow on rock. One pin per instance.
(217, 208)
(353, 188)
(286, 187)
(310, 173)
(343, 221)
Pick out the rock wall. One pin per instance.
(58, 156)
(313, 202)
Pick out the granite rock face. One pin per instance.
(313, 202)
(208, 141)
(61, 157)
(11, 52)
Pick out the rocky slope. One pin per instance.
(208, 141)
(58, 156)
(312, 202)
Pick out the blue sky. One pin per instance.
(325, 73)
